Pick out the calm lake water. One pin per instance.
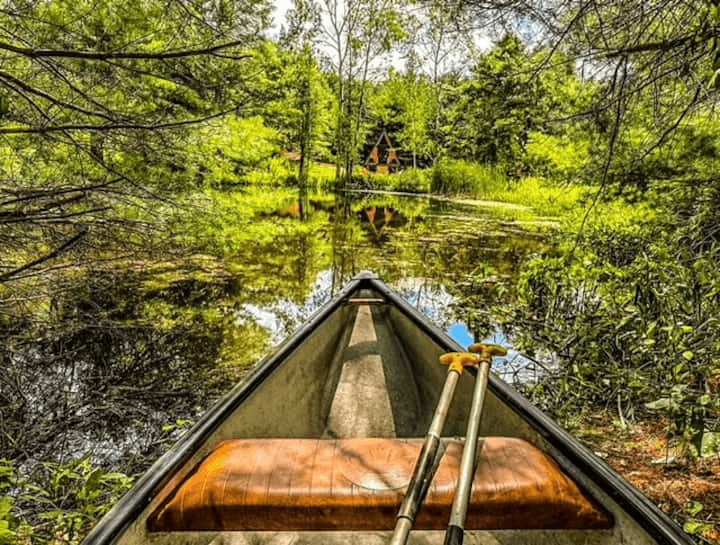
(124, 390)
(446, 258)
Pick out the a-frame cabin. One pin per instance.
(383, 158)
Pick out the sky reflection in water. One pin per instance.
(433, 300)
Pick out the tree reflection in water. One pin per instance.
(128, 352)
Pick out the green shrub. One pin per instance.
(59, 504)
(232, 150)
(630, 315)
(412, 180)
(321, 177)
(452, 176)
(272, 172)
(562, 157)
(545, 197)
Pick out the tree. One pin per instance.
(306, 100)
(663, 54)
(442, 44)
(405, 100)
(497, 107)
(354, 33)
(95, 100)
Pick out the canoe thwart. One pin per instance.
(359, 484)
(366, 301)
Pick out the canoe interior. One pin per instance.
(357, 370)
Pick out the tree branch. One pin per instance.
(114, 126)
(52, 255)
(58, 102)
(104, 56)
(664, 45)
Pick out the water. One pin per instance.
(448, 260)
(138, 349)
(284, 316)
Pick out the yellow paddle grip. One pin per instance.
(486, 352)
(457, 361)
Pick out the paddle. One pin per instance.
(425, 464)
(456, 528)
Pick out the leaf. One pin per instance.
(695, 527)
(694, 507)
(710, 443)
(6, 535)
(688, 355)
(678, 368)
(661, 404)
(114, 476)
(93, 482)
(6, 504)
(714, 82)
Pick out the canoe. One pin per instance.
(318, 446)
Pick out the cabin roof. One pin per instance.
(383, 144)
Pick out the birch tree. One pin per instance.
(354, 35)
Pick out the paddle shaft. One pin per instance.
(424, 467)
(456, 528)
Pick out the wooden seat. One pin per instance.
(358, 484)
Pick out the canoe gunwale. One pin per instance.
(571, 456)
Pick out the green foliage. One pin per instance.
(630, 317)
(560, 157)
(451, 176)
(59, 503)
(321, 177)
(545, 197)
(406, 102)
(231, 151)
(102, 120)
(303, 106)
(227, 222)
(412, 180)
(10, 524)
(496, 108)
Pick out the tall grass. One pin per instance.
(412, 180)
(453, 176)
(545, 197)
